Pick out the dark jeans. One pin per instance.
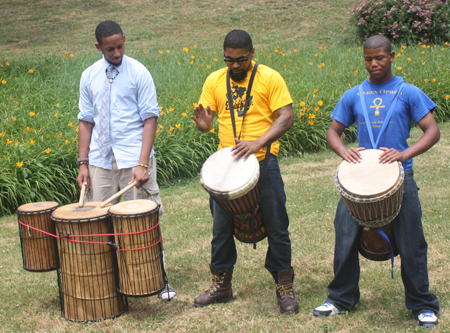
(276, 222)
(408, 232)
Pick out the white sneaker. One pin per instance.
(325, 310)
(167, 294)
(427, 319)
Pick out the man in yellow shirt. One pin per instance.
(268, 117)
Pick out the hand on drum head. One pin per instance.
(391, 155)
(140, 175)
(244, 148)
(352, 155)
(203, 118)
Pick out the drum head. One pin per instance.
(90, 210)
(368, 178)
(133, 207)
(37, 206)
(229, 178)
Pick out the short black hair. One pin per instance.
(378, 41)
(107, 29)
(238, 39)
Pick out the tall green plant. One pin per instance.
(38, 109)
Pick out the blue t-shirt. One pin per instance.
(412, 104)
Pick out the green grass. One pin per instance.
(30, 300)
(49, 26)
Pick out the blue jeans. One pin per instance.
(408, 232)
(276, 222)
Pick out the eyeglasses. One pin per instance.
(230, 61)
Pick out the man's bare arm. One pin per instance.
(283, 122)
(84, 141)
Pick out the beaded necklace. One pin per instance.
(111, 79)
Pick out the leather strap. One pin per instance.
(246, 107)
(247, 100)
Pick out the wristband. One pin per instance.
(144, 165)
(83, 159)
(82, 162)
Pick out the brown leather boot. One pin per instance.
(285, 292)
(220, 290)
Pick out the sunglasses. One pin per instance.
(230, 61)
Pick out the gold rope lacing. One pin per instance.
(285, 290)
(217, 281)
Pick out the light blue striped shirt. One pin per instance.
(133, 99)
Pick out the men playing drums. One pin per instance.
(118, 118)
(268, 117)
(382, 88)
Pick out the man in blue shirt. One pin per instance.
(117, 125)
(380, 91)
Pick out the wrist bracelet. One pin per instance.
(82, 162)
(144, 165)
(83, 159)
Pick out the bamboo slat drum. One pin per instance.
(373, 193)
(139, 257)
(87, 277)
(234, 185)
(39, 251)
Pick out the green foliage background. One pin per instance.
(38, 103)
(409, 21)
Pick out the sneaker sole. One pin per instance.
(428, 325)
(223, 300)
(321, 314)
(168, 298)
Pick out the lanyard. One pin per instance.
(247, 100)
(386, 120)
(246, 106)
(266, 160)
(375, 146)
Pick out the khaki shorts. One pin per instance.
(105, 183)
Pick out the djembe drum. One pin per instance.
(39, 251)
(139, 256)
(373, 193)
(87, 278)
(234, 185)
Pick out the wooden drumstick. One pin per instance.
(81, 202)
(118, 194)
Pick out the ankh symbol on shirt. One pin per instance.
(377, 106)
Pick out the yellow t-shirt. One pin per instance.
(269, 93)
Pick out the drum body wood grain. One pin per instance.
(373, 193)
(39, 251)
(374, 247)
(139, 258)
(234, 185)
(87, 277)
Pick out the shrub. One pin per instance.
(406, 21)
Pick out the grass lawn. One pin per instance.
(49, 26)
(30, 300)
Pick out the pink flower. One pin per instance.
(346, 28)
